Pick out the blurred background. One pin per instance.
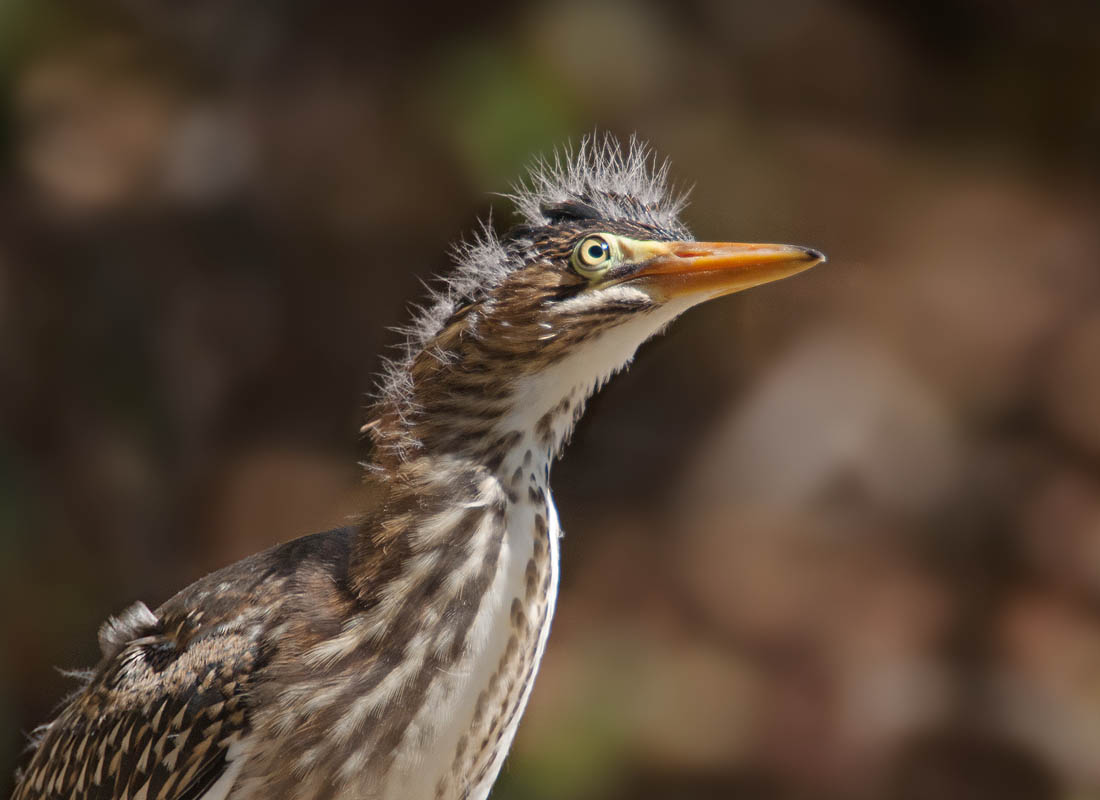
(834, 538)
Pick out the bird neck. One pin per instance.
(478, 413)
(456, 566)
(455, 572)
(475, 399)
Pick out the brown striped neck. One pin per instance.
(455, 576)
(478, 398)
(429, 506)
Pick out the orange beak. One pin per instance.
(712, 269)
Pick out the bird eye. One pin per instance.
(592, 255)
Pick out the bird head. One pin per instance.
(530, 324)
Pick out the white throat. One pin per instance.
(556, 396)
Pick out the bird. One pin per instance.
(393, 657)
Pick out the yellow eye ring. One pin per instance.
(592, 255)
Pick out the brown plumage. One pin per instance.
(393, 658)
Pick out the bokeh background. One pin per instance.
(834, 538)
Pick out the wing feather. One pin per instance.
(161, 718)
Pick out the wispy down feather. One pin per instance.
(134, 621)
(619, 183)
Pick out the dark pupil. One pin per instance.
(595, 251)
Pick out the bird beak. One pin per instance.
(713, 269)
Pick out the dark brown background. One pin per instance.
(834, 538)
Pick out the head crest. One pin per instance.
(604, 180)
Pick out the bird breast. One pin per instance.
(501, 582)
(517, 620)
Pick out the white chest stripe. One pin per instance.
(236, 757)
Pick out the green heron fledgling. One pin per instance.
(393, 658)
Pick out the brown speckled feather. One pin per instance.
(171, 696)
